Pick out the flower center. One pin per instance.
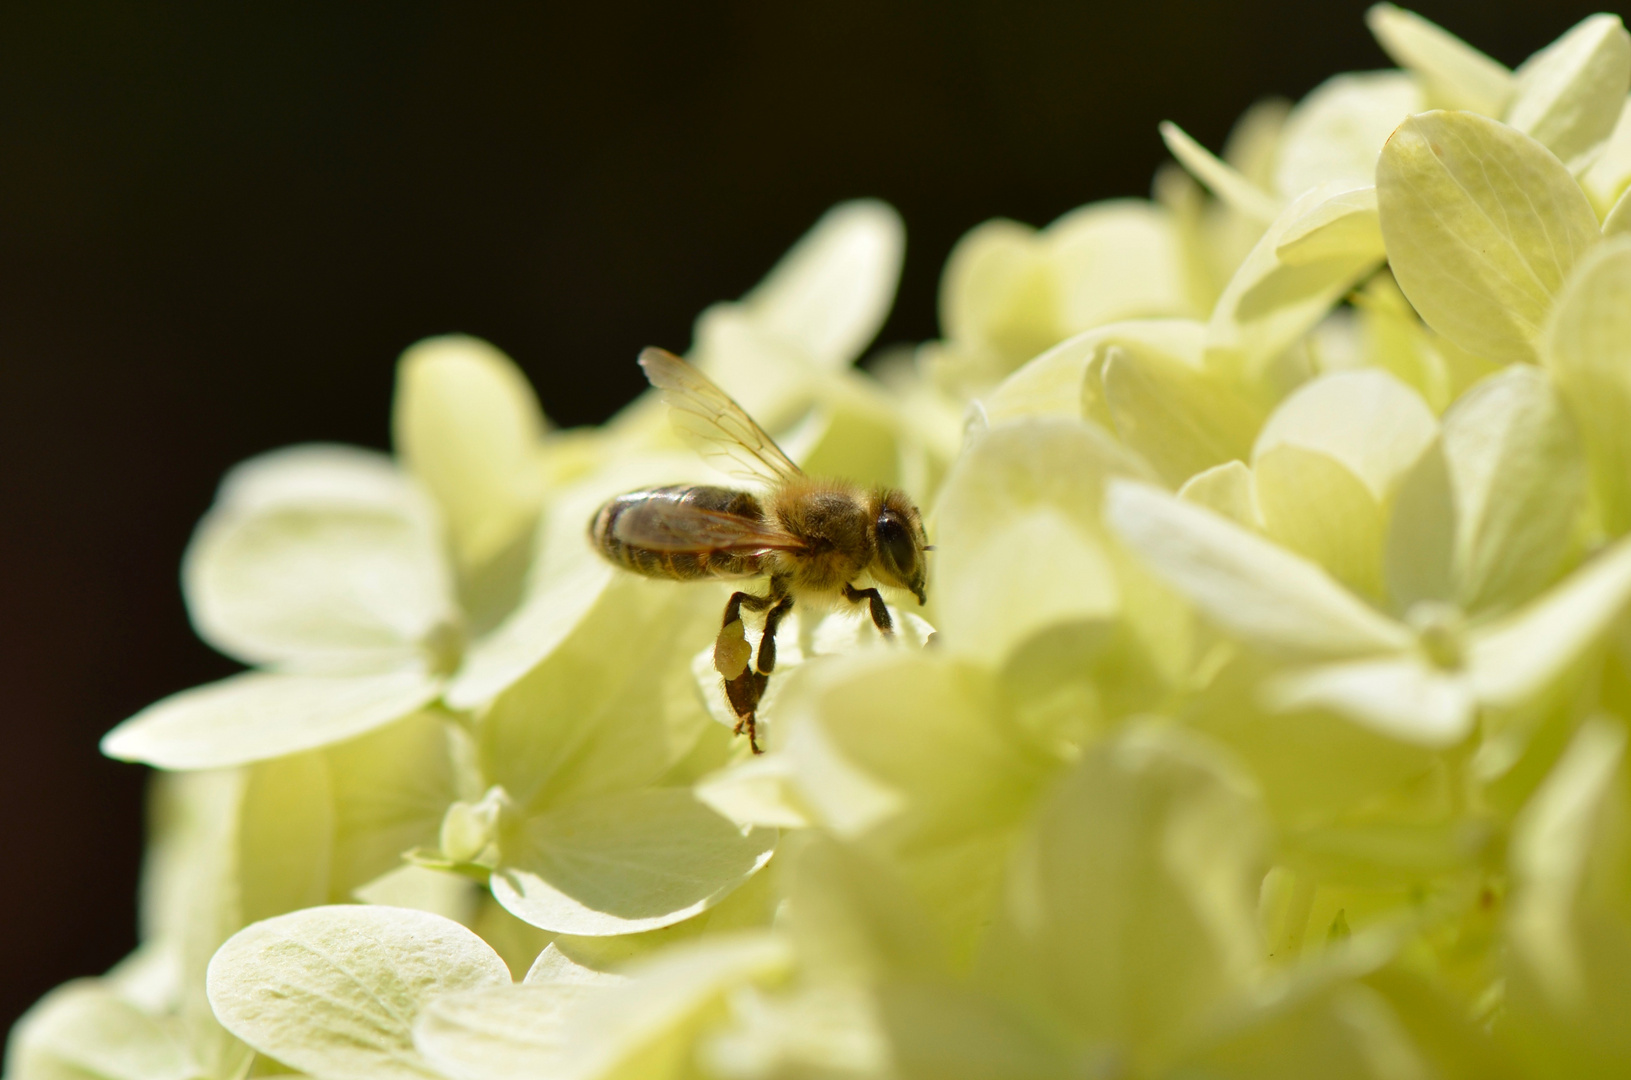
(1440, 630)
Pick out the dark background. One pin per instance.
(220, 224)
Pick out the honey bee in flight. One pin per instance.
(813, 538)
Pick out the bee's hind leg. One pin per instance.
(874, 599)
(744, 693)
(731, 649)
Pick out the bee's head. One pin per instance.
(900, 542)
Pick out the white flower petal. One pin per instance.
(1519, 656)
(1221, 179)
(467, 424)
(1403, 697)
(1483, 225)
(334, 991)
(1569, 94)
(319, 556)
(625, 863)
(1260, 592)
(260, 715)
(1366, 419)
(1337, 131)
(832, 291)
(1457, 76)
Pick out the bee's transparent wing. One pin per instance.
(719, 428)
(666, 525)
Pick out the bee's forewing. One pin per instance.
(665, 525)
(719, 428)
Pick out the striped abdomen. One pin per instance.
(686, 554)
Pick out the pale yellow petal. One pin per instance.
(1569, 95)
(1456, 75)
(1401, 697)
(467, 425)
(256, 716)
(1240, 193)
(1178, 416)
(1023, 499)
(1226, 489)
(1337, 131)
(625, 863)
(1519, 478)
(832, 291)
(1255, 589)
(1114, 261)
(1588, 348)
(1483, 225)
(1270, 302)
(1052, 383)
(326, 557)
(1519, 656)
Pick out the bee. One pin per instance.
(813, 538)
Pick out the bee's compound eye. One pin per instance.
(895, 544)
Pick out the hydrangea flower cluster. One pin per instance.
(1273, 721)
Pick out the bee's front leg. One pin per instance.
(874, 599)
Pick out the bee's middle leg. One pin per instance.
(874, 599)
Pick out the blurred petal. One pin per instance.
(1345, 224)
(499, 1032)
(1455, 75)
(1316, 507)
(1018, 537)
(1337, 131)
(1052, 383)
(877, 711)
(1570, 925)
(612, 707)
(391, 788)
(1272, 301)
(1240, 193)
(1178, 416)
(1607, 178)
(255, 716)
(1569, 94)
(467, 425)
(1226, 489)
(1519, 480)
(535, 630)
(1113, 261)
(1254, 589)
(996, 292)
(1420, 547)
(1519, 656)
(646, 1028)
(84, 1029)
(1588, 347)
(758, 791)
(1403, 697)
(1132, 910)
(832, 291)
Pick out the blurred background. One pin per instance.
(220, 224)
